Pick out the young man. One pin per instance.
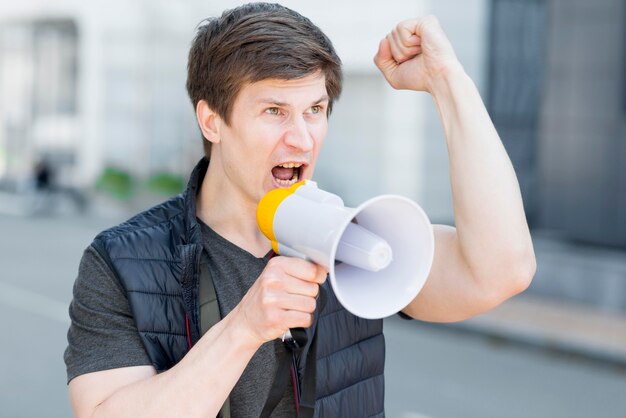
(263, 80)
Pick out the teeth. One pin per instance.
(290, 165)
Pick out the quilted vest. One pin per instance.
(156, 256)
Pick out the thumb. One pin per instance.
(383, 58)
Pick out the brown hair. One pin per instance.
(255, 42)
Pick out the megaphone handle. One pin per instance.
(295, 337)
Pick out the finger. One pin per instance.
(394, 46)
(307, 287)
(295, 267)
(297, 319)
(408, 35)
(296, 286)
(299, 303)
(406, 49)
(383, 58)
(322, 274)
(412, 41)
(414, 26)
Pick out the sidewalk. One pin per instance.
(562, 326)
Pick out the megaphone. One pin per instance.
(378, 255)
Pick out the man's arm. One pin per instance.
(283, 297)
(197, 386)
(489, 256)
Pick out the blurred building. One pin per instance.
(557, 94)
(94, 84)
(102, 84)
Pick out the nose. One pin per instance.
(298, 135)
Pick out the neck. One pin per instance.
(230, 214)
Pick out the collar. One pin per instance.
(190, 197)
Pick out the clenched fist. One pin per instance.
(415, 54)
(283, 297)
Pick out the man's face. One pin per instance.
(276, 130)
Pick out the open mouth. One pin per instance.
(287, 174)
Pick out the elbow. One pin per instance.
(525, 274)
(520, 274)
(512, 280)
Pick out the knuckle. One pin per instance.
(265, 281)
(315, 290)
(312, 271)
(272, 280)
(266, 300)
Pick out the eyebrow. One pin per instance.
(273, 101)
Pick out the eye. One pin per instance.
(273, 111)
(315, 109)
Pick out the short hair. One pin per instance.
(255, 42)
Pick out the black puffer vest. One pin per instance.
(156, 256)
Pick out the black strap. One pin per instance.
(281, 381)
(209, 313)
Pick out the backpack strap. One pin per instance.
(210, 313)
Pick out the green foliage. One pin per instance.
(120, 184)
(165, 184)
(116, 182)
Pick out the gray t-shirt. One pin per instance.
(103, 334)
(234, 271)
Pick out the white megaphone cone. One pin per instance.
(378, 255)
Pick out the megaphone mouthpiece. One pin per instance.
(363, 249)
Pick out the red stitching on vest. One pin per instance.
(187, 328)
(295, 392)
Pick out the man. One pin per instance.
(263, 80)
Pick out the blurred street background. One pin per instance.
(95, 125)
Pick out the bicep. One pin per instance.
(89, 390)
(450, 292)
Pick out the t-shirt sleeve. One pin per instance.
(102, 333)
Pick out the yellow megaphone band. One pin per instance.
(267, 209)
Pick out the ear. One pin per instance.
(209, 122)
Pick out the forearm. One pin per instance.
(489, 214)
(197, 386)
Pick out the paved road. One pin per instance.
(431, 372)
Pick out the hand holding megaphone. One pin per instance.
(378, 255)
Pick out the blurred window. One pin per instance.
(38, 104)
(56, 71)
